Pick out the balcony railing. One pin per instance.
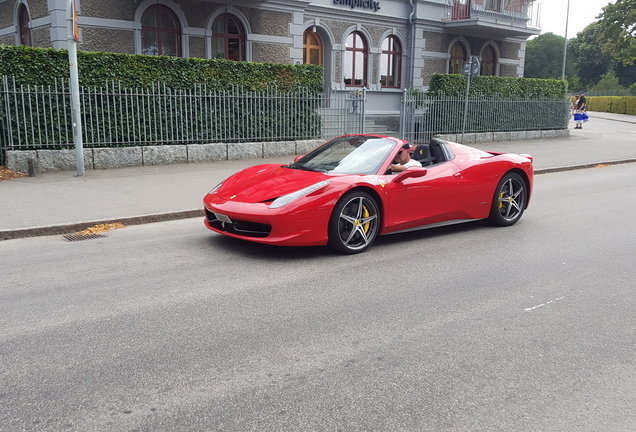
(516, 12)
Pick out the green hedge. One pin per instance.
(611, 104)
(498, 104)
(117, 117)
(455, 85)
(42, 65)
(495, 115)
(47, 68)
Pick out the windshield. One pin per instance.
(354, 154)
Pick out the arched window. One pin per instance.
(391, 63)
(488, 61)
(228, 38)
(312, 48)
(25, 30)
(160, 32)
(457, 58)
(355, 61)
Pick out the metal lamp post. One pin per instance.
(471, 68)
(565, 45)
(73, 38)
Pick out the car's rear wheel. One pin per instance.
(509, 202)
(354, 223)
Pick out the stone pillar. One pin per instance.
(296, 32)
(418, 57)
(59, 24)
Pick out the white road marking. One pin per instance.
(543, 304)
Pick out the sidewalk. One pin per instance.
(61, 203)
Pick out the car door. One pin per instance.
(434, 197)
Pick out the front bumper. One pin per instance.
(291, 225)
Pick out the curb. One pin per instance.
(189, 214)
(583, 166)
(79, 226)
(601, 117)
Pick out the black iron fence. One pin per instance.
(39, 117)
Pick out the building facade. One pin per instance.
(382, 46)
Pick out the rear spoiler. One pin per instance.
(525, 155)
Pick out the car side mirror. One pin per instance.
(411, 172)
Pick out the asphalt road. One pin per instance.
(170, 327)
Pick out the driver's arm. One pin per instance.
(397, 168)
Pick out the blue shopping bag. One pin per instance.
(581, 117)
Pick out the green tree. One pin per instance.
(590, 62)
(626, 74)
(584, 53)
(618, 30)
(544, 57)
(609, 81)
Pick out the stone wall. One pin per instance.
(270, 53)
(41, 37)
(7, 40)
(197, 47)
(436, 42)
(510, 50)
(109, 40)
(111, 9)
(432, 66)
(484, 137)
(108, 158)
(269, 23)
(38, 8)
(508, 70)
(7, 15)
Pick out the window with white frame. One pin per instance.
(391, 63)
(355, 60)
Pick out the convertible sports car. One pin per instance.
(344, 194)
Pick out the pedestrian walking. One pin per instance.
(580, 115)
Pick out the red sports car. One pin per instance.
(344, 194)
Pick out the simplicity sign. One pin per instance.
(363, 4)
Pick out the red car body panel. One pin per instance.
(461, 188)
(262, 182)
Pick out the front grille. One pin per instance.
(239, 227)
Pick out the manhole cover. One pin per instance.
(78, 237)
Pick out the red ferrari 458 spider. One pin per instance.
(344, 193)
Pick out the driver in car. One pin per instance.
(403, 160)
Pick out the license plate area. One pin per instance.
(223, 218)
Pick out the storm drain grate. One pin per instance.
(94, 231)
(78, 237)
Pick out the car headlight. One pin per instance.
(216, 188)
(286, 199)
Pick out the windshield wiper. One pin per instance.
(300, 167)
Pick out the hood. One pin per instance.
(262, 183)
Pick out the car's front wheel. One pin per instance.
(509, 202)
(354, 223)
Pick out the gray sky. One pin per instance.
(582, 13)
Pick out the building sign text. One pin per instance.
(364, 4)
